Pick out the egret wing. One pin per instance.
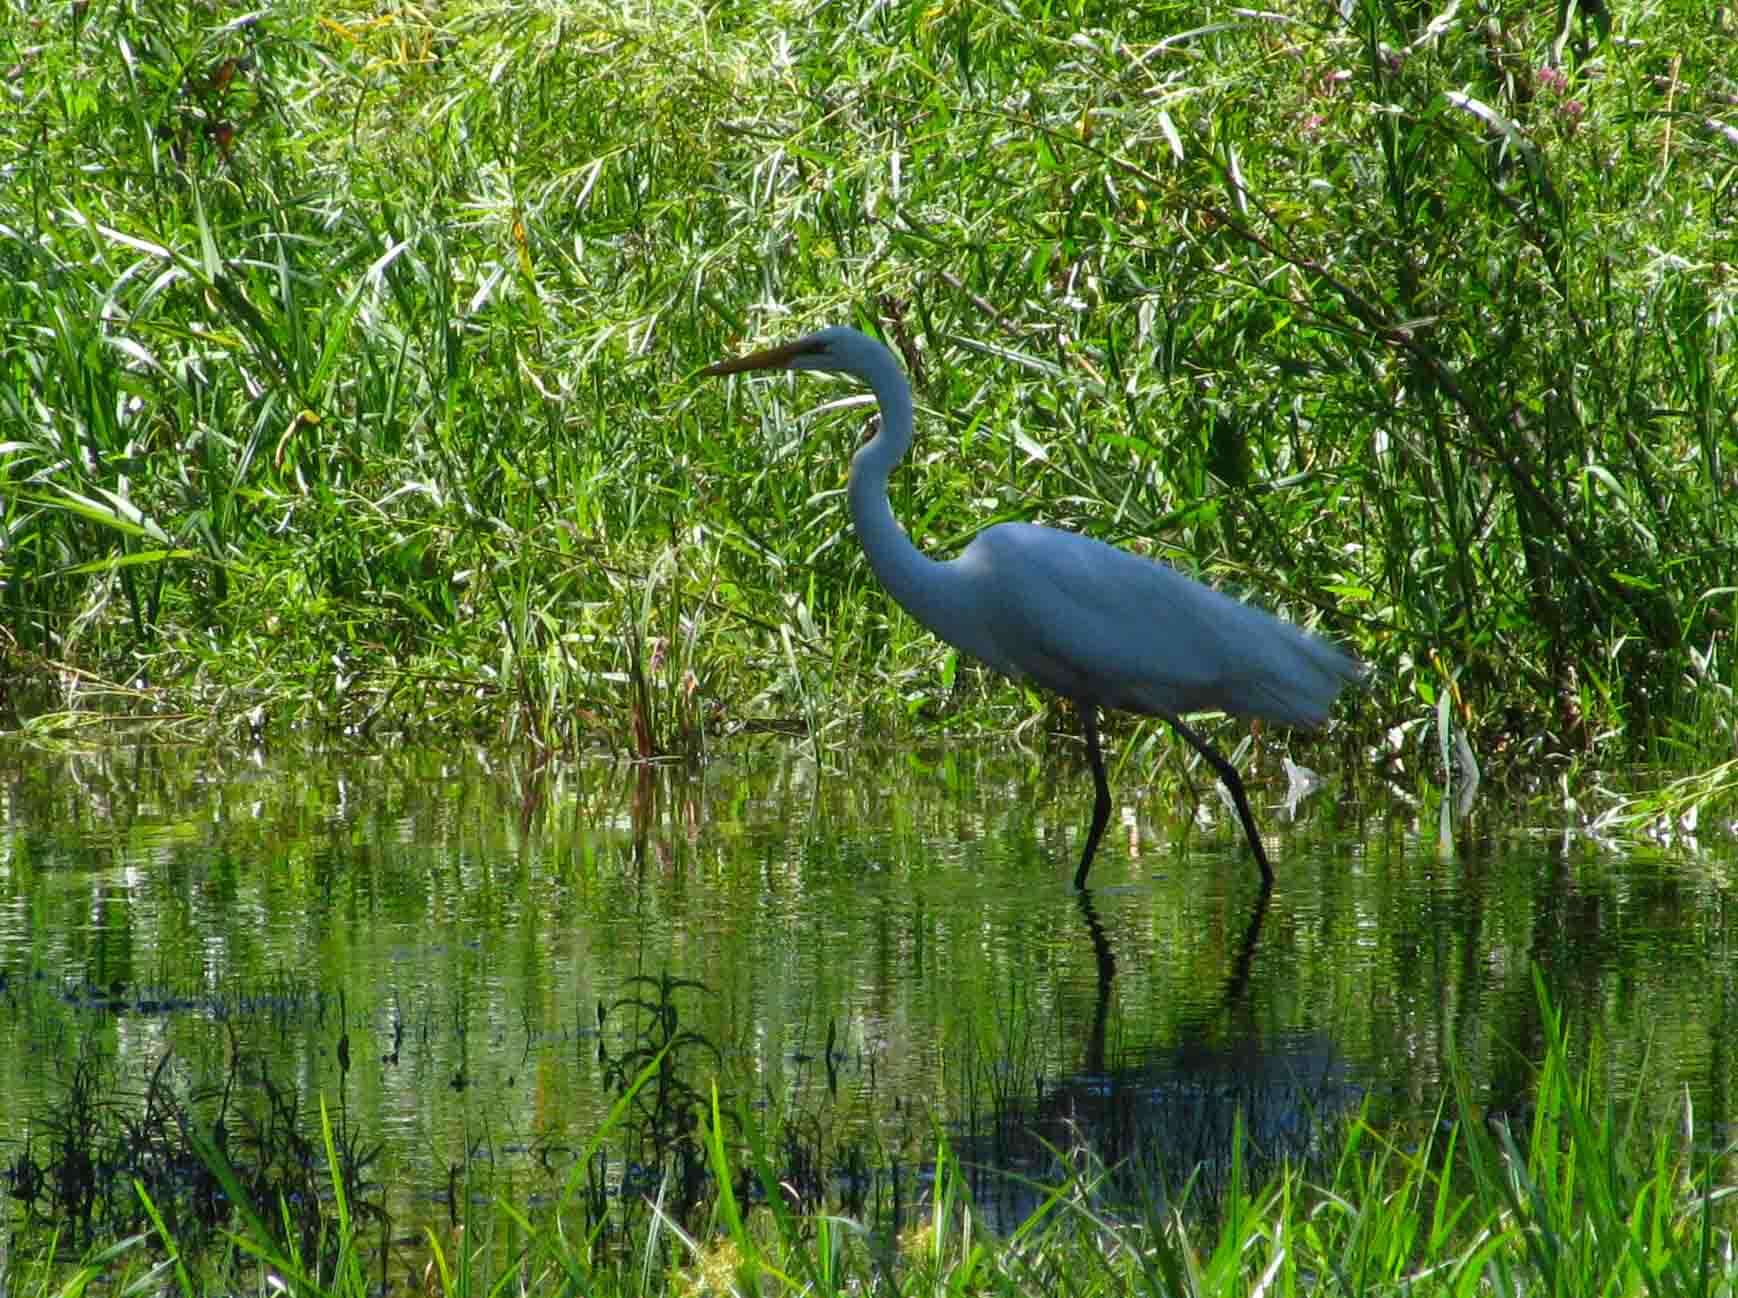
(1103, 626)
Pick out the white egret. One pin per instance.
(1095, 624)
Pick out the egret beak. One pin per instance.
(773, 358)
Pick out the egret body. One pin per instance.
(1097, 625)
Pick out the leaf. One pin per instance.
(1491, 117)
(138, 352)
(1634, 582)
(120, 514)
(137, 244)
(132, 559)
(1168, 129)
(1234, 172)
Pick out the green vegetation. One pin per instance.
(1570, 1199)
(345, 353)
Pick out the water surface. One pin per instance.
(460, 919)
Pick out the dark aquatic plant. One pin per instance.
(662, 1069)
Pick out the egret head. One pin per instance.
(840, 349)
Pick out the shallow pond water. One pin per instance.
(445, 947)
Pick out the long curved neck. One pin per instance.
(919, 584)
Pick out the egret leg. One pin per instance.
(1101, 803)
(1234, 782)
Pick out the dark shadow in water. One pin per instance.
(1154, 1118)
(1236, 982)
(1106, 975)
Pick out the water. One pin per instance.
(457, 921)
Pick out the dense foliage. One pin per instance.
(345, 353)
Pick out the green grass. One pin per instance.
(346, 355)
(1570, 1199)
